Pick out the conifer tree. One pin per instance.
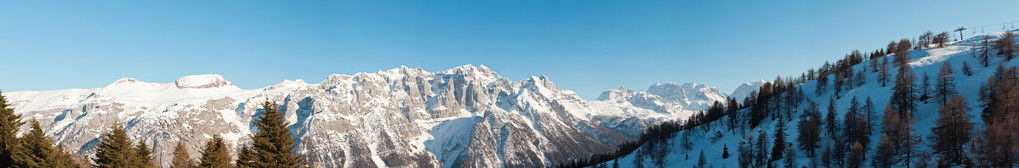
(831, 124)
(985, 52)
(884, 73)
(952, 131)
(273, 145)
(903, 98)
(9, 125)
(761, 151)
(144, 156)
(115, 149)
(945, 86)
(925, 88)
(215, 154)
(1006, 45)
(181, 158)
(701, 161)
(790, 152)
(809, 129)
(725, 151)
(779, 143)
(884, 157)
(966, 70)
(36, 150)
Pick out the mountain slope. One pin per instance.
(462, 117)
(925, 61)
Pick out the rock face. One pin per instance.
(462, 117)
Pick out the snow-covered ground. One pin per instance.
(924, 61)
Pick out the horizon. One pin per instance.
(585, 47)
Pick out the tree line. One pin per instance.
(272, 146)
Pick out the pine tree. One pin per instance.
(831, 124)
(144, 155)
(779, 147)
(725, 151)
(985, 52)
(215, 154)
(701, 161)
(273, 145)
(745, 150)
(966, 70)
(945, 86)
(36, 150)
(115, 149)
(181, 158)
(952, 131)
(809, 129)
(925, 88)
(761, 151)
(9, 125)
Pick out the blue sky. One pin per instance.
(585, 46)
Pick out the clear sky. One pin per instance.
(586, 46)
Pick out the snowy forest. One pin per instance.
(929, 101)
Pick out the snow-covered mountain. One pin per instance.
(713, 138)
(462, 117)
(744, 90)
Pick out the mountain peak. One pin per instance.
(202, 82)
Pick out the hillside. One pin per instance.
(712, 138)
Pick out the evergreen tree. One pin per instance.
(273, 145)
(952, 131)
(115, 149)
(701, 161)
(966, 70)
(181, 158)
(809, 129)
(745, 152)
(725, 152)
(761, 151)
(215, 154)
(831, 124)
(9, 125)
(144, 155)
(985, 52)
(925, 88)
(945, 86)
(36, 150)
(779, 147)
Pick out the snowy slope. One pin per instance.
(924, 61)
(403, 117)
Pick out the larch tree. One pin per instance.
(883, 72)
(272, 145)
(985, 53)
(951, 132)
(903, 98)
(945, 86)
(9, 125)
(1006, 45)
